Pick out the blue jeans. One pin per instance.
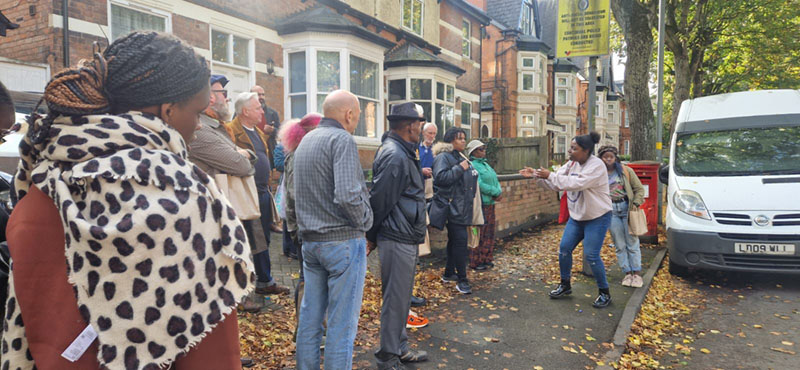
(629, 255)
(334, 284)
(592, 233)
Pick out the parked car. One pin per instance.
(733, 183)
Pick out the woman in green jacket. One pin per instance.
(480, 258)
(626, 191)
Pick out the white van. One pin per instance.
(734, 183)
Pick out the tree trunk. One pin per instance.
(632, 17)
(682, 87)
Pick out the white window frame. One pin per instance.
(611, 116)
(250, 68)
(533, 127)
(536, 71)
(627, 148)
(559, 138)
(559, 84)
(527, 8)
(421, 17)
(312, 93)
(467, 39)
(469, 117)
(139, 8)
(566, 96)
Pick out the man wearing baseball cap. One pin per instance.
(397, 198)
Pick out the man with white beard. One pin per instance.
(213, 150)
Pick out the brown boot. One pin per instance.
(249, 306)
(272, 290)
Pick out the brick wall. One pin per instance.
(524, 204)
(194, 32)
(34, 41)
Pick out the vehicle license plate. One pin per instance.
(760, 248)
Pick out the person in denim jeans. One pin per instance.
(333, 214)
(585, 179)
(625, 190)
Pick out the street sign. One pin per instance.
(582, 28)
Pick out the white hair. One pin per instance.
(429, 125)
(419, 109)
(242, 100)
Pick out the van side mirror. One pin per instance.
(663, 174)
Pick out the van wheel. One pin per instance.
(677, 270)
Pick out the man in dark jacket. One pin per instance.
(397, 198)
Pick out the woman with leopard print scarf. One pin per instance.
(116, 235)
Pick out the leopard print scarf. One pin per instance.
(154, 249)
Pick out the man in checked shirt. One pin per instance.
(333, 215)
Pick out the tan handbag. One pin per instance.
(241, 193)
(425, 247)
(473, 236)
(428, 188)
(477, 203)
(276, 218)
(637, 221)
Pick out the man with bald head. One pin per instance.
(333, 215)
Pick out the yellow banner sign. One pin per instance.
(582, 28)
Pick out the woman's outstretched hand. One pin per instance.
(542, 173)
(527, 172)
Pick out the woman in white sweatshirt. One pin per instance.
(585, 180)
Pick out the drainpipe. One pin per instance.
(65, 28)
(480, 82)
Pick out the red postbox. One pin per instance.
(647, 171)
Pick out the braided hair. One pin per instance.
(139, 70)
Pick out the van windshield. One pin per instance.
(740, 152)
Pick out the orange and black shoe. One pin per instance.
(415, 321)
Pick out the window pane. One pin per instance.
(368, 121)
(438, 115)
(125, 21)
(219, 46)
(297, 73)
(562, 97)
(407, 13)
(426, 108)
(466, 112)
(397, 90)
(465, 36)
(241, 51)
(417, 17)
(527, 82)
(450, 94)
(320, 100)
(328, 71)
(439, 91)
(298, 104)
(527, 120)
(527, 62)
(562, 81)
(420, 89)
(364, 77)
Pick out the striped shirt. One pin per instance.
(331, 197)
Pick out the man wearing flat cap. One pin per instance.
(397, 198)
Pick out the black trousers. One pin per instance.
(457, 252)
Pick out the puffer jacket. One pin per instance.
(397, 195)
(453, 188)
(487, 181)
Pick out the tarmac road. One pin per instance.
(754, 318)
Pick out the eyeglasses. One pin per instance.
(223, 92)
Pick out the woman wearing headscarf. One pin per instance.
(116, 235)
(626, 191)
(480, 258)
(585, 180)
(454, 185)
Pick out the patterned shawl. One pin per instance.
(155, 251)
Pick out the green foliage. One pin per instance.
(491, 150)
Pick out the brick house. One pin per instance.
(384, 51)
(527, 91)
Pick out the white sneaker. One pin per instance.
(626, 281)
(636, 281)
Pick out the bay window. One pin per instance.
(437, 99)
(316, 72)
(529, 125)
(532, 79)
